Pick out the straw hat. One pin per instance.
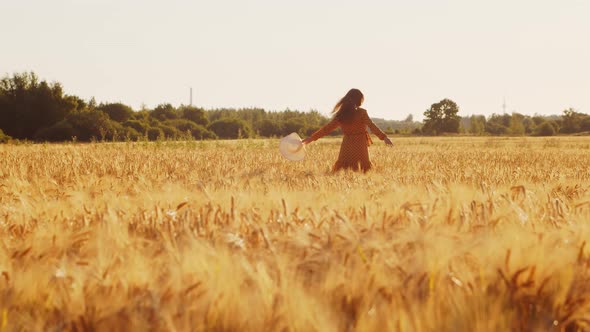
(291, 147)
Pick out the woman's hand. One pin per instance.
(387, 141)
(306, 141)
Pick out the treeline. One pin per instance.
(516, 124)
(443, 118)
(33, 109)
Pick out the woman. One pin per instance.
(354, 152)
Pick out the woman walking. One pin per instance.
(354, 152)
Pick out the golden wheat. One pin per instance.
(444, 234)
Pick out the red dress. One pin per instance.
(354, 152)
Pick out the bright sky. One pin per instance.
(306, 54)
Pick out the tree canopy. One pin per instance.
(441, 118)
(33, 109)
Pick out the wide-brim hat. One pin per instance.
(291, 147)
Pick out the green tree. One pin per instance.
(61, 131)
(194, 114)
(269, 128)
(155, 133)
(169, 131)
(117, 111)
(545, 129)
(529, 125)
(477, 124)
(555, 125)
(194, 130)
(585, 124)
(230, 128)
(28, 105)
(130, 134)
(441, 118)
(538, 120)
(294, 125)
(92, 103)
(200, 132)
(498, 124)
(571, 121)
(91, 124)
(164, 112)
(516, 125)
(140, 126)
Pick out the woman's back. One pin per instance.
(357, 124)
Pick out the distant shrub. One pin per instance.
(169, 131)
(231, 128)
(585, 125)
(91, 124)
(195, 130)
(269, 128)
(138, 125)
(117, 111)
(181, 124)
(164, 112)
(200, 132)
(546, 129)
(61, 131)
(130, 134)
(154, 133)
(194, 114)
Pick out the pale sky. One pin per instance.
(404, 55)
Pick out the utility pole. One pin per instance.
(191, 100)
(504, 105)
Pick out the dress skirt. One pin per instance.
(354, 153)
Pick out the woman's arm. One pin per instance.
(374, 129)
(325, 130)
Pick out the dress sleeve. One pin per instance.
(325, 130)
(374, 129)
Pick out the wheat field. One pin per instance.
(444, 234)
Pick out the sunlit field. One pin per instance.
(443, 234)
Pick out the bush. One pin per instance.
(181, 124)
(585, 125)
(231, 128)
(195, 130)
(269, 128)
(200, 132)
(154, 133)
(91, 124)
(28, 105)
(164, 112)
(169, 131)
(117, 111)
(194, 114)
(61, 131)
(130, 134)
(139, 126)
(545, 129)
(495, 128)
(555, 125)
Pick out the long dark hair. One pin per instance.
(344, 109)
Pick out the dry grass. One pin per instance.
(446, 234)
